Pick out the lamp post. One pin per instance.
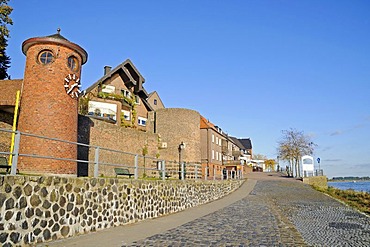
(180, 148)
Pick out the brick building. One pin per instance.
(49, 94)
(49, 107)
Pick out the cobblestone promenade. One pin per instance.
(268, 210)
(278, 212)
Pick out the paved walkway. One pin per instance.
(268, 210)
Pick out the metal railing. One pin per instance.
(95, 159)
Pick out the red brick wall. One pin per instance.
(47, 110)
(6, 120)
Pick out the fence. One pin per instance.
(101, 161)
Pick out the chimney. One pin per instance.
(107, 69)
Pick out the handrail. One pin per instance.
(195, 171)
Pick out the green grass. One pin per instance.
(358, 200)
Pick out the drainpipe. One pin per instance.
(206, 170)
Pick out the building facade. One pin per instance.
(118, 97)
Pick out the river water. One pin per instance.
(354, 185)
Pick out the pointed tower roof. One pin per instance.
(56, 39)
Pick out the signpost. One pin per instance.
(318, 161)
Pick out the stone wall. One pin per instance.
(317, 181)
(36, 209)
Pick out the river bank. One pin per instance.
(359, 200)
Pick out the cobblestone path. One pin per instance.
(275, 213)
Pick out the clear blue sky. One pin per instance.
(254, 68)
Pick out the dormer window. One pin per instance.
(155, 101)
(126, 93)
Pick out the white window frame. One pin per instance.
(213, 138)
(108, 89)
(213, 154)
(142, 121)
(137, 100)
(126, 115)
(126, 93)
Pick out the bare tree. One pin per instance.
(292, 146)
(259, 157)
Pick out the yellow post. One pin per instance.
(14, 128)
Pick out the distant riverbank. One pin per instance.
(360, 186)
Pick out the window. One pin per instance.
(216, 155)
(220, 142)
(126, 115)
(213, 154)
(73, 63)
(137, 99)
(102, 109)
(216, 140)
(155, 101)
(213, 138)
(126, 93)
(220, 156)
(108, 89)
(141, 121)
(46, 57)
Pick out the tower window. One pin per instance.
(46, 57)
(72, 63)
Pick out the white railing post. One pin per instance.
(96, 162)
(13, 169)
(136, 166)
(163, 170)
(182, 170)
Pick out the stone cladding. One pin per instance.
(35, 209)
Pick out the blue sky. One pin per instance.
(254, 68)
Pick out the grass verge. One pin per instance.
(358, 200)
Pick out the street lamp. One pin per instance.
(181, 147)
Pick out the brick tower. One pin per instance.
(49, 104)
